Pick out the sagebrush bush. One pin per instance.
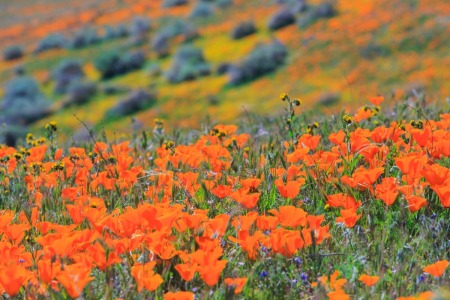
(296, 6)
(323, 10)
(160, 42)
(262, 60)
(172, 3)
(115, 32)
(113, 63)
(134, 102)
(187, 64)
(115, 89)
(243, 29)
(140, 26)
(11, 134)
(85, 37)
(66, 73)
(12, 52)
(223, 68)
(223, 3)
(51, 41)
(201, 10)
(23, 102)
(281, 18)
(80, 92)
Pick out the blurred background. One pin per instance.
(117, 65)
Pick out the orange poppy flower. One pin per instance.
(244, 222)
(422, 136)
(290, 216)
(266, 222)
(376, 100)
(187, 271)
(74, 278)
(338, 295)
(221, 191)
(437, 269)
(387, 190)
(244, 197)
(12, 278)
(332, 283)
(297, 155)
(237, 283)
(146, 277)
(251, 183)
(290, 190)
(422, 296)
(179, 296)
(48, 269)
(337, 138)
(342, 200)
(412, 166)
(309, 141)
(348, 217)
(286, 242)
(368, 280)
(436, 174)
(415, 203)
(209, 266)
(443, 192)
(249, 243)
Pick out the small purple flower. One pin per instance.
(298, 260)
(421, 278)
(433, 216)
(263, 274)
(306, 200)
(304, 277)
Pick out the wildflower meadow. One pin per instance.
(225, 149)
(350, 206)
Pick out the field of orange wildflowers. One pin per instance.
(351, 206)
(367, 47)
